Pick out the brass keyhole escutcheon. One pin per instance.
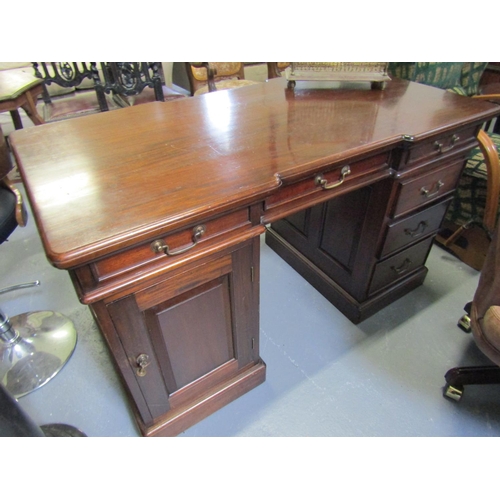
(142, 361)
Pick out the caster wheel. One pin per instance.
(454, 393)
(464, 323)
(291, 84)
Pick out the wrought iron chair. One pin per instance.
(34, 346)
(68, 76)
(131, 83)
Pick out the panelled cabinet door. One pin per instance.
(183, 337)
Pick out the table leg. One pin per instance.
(30, 109)
(16, 118)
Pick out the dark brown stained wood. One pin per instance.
(409, 230)
(100, 181)
(199, 330)
(128, 321)
(423, 190)
(104, 187)
(400, 266)
(196, 331)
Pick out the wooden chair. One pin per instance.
(275, 69)
(213, 76)
(485, 327)
(132, 83)
(12, 209)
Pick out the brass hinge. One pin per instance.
(252, 274)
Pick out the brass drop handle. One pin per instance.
(142, 361)
(402, 268)
(159, 246)
(444, 149)
(422, 226)
(428, 194)
(319, 180)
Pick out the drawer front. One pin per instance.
(400, 265)
(418, 191)
(449, 143)
(411, 229)
(326, 184)
(182, 243)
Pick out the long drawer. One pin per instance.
(322, 186)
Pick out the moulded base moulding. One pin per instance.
(354, 310)
(180, 419)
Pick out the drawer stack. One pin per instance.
(364, 249)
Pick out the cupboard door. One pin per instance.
(340, 236)
(190, 333)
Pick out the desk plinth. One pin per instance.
(120, 199)
(187, 341)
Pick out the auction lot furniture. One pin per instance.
(159, 210)
(20, 90)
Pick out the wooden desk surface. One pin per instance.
(98, 182)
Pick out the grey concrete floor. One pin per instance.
(325, 376)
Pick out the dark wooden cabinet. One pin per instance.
(353, 181)
(192, 335)
(366, 248)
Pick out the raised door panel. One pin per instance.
(192, 332)
(340, 237)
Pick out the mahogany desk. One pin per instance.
(355, 183)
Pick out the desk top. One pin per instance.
(100, 182)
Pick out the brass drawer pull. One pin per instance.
(319, 180)
(428, 194)
(422, 226)
(403, 267)
(444, 149)
(159, 246)
(142, 361)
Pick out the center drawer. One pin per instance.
(324, 185)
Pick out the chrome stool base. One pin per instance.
(35, 347)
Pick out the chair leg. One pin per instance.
(457, 378)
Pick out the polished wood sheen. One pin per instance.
(130, 173)
(110, 191)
